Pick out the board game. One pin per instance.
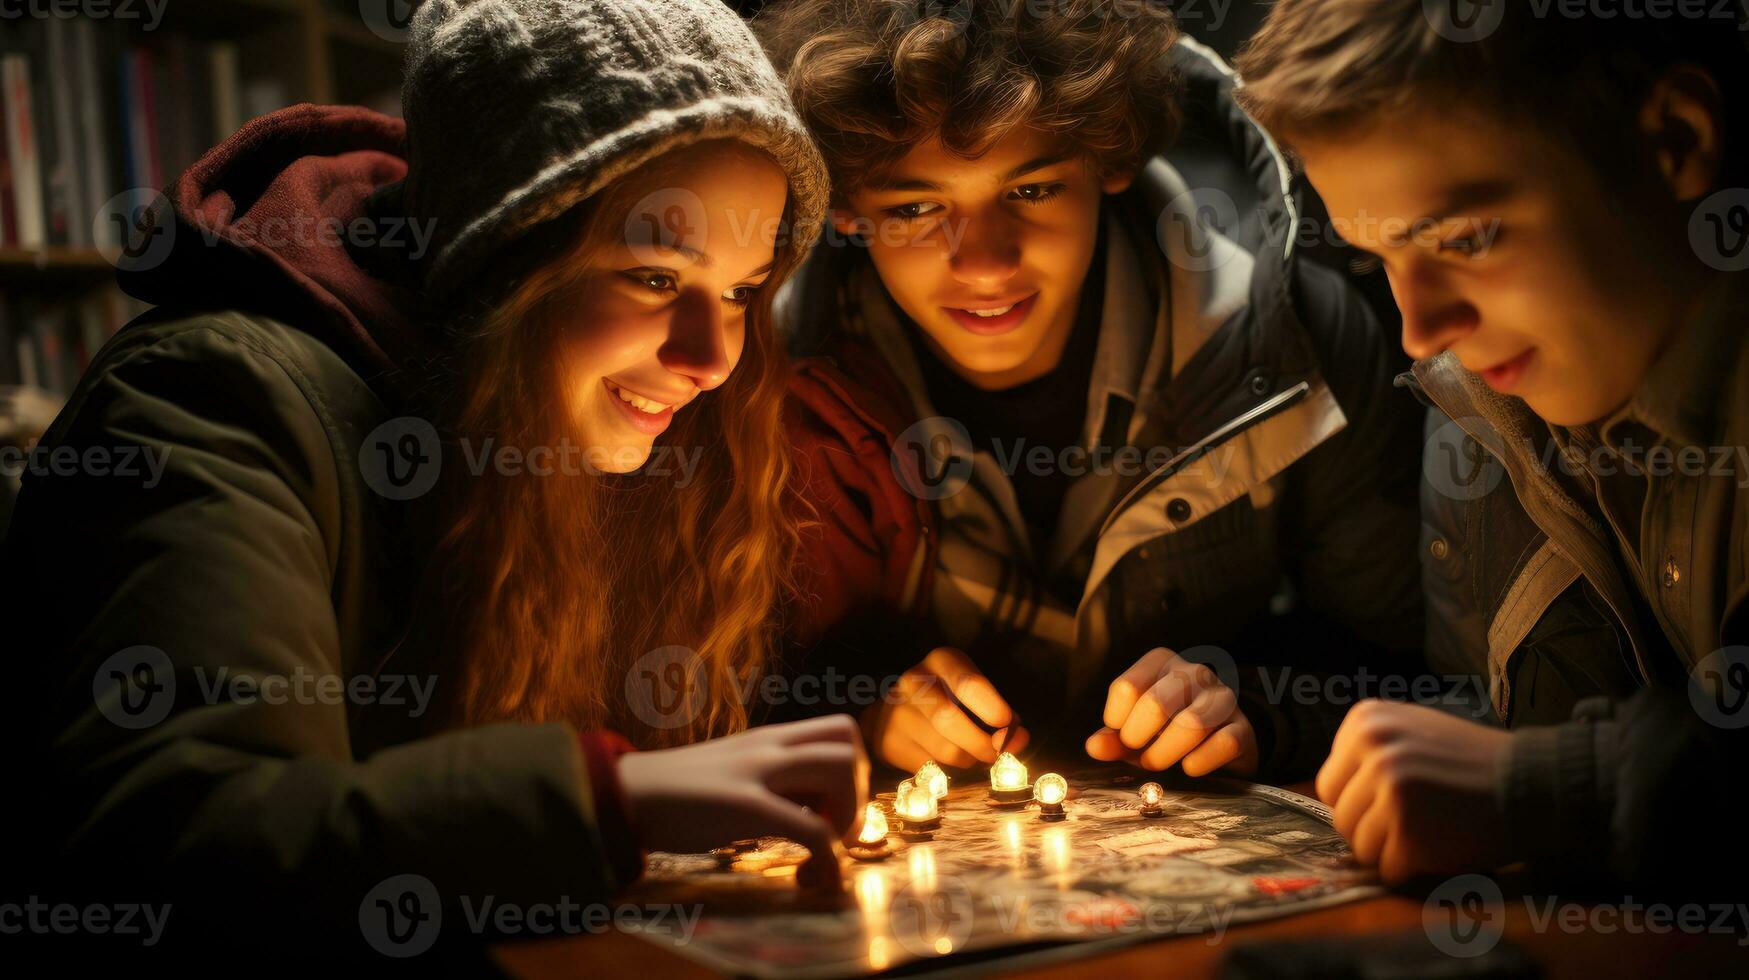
(1218, 853)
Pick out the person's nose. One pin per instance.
(697, 342)
(1435, 316)
(987, 254)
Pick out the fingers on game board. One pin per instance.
(823, 776)
(911, 721)
(969, 686)
(1233, 745)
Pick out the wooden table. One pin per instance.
(1597, 949)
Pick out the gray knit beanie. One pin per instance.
(518, 110)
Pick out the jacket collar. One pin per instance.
(1684, 395)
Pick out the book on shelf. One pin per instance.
(47, 341)
(88, 112)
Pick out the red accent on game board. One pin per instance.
(1282, 886)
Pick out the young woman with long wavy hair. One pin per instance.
(462, 462)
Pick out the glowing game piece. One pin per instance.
(917, 808)
(871, 841)
(874, 826)
(1050, 791)
(930, 776)
(1008, 784)
(1153, 798)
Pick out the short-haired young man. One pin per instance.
(1034, 318)
(1557, 193)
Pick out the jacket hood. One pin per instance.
(280, 220)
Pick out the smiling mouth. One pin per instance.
(648, 406)
(1504, 376)
(992, 318)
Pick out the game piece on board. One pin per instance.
(1050, 791)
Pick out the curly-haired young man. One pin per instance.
(1081, 438)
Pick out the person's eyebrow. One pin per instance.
(1462, 198)
(693, 255)
(1037, 163)
(919, 184)
(762, 270)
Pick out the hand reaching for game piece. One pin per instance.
(1412, 790)
(940, 702)
(1165, 709)
(806, 780)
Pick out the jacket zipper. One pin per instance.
(1253, 416)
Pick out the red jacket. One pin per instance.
(867, 543)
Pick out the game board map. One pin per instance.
(1223, 853)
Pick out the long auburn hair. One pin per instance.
(542, 593)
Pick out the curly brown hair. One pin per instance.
(874, 78)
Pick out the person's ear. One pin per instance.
(1683, 117)
(1117, 183)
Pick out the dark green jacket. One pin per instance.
(253, 548)
(1598, 577)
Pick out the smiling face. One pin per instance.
(987, 256)
(1511, 250)
(659, 315)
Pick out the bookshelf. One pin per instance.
(57, 294)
